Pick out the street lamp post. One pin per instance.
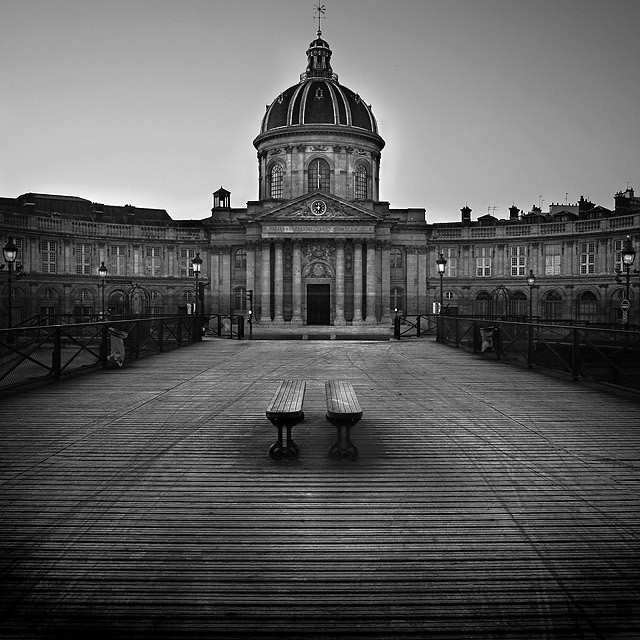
(441, 263)
(250, 299)
(531, 280)
(102, 272)
(628, 255)
(10, 253)
(197, 267)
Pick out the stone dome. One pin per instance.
(319, 99)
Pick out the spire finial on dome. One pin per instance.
(320, 9)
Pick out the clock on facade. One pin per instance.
(318, 207)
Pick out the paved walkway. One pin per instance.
(487, 501)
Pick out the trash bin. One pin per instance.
(486, 339)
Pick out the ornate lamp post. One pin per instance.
(531, 280)
(10, 253)
(628, 255)
(441, 263)
(102, 272)
(197, 267)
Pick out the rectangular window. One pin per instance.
(587, 258)
(185, 257)
(518, 261)
(48, 254)
(617, 247)
(552, 257)
(240, 259)
(83, 259)
(118, 262)
(451, 256)
(153, 261)
(483, 262)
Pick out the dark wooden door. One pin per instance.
(318, 304)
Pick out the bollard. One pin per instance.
(396, 328)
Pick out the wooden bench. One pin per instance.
(285, 410)
(343, 410)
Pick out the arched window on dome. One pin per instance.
(275, 181)
(361, 182)
(319, 175)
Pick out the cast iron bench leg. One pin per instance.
(278, 449)
(347, 450)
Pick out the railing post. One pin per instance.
(104, 344)
(56, 356)
(136, 344)
(575, 353)
(194, 328)
(160, 335)
(530, 347)
(219, 325)
(418, 326)
(240, 327)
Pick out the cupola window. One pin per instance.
(361, 183)
(319, 176)
(275, 182)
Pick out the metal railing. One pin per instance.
(49, 352)
(226, 326)
(600, 355)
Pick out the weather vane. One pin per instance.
(320, 10)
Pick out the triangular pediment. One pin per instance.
(318, 207)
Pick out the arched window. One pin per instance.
(519, 304)
(587, 308)
(240, 259)
(395, 258)
(482, 305)
(319, 176)
(397, 299)
(275, 181)
(553, 306)
(240, 299)
(361, 182)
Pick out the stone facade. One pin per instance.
(318, 246)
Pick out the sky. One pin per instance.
(485, 103)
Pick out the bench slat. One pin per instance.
(341, 399)
(288, 398)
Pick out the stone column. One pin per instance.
(215, 279)
(371, 282)
(412, 280)
(250, 283)
(297, 284)
(357, 282)
(225, 280)
(278, 283)
(265, 289)
(339, 315)
(422, 301)
(385, 293)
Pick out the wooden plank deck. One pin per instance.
(487, 501)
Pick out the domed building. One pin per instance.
(318, 247)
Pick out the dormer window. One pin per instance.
(319, 94)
